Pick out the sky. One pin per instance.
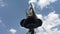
(12, 12)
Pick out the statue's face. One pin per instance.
(30, 13)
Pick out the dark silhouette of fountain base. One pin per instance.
(31, 24)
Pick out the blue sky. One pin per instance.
(12, 12)
(11, 15)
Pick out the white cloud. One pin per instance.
(13, 31)
(49, 21)
(39, 16)
(32, 1)
(2, 3)
(42, 3)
